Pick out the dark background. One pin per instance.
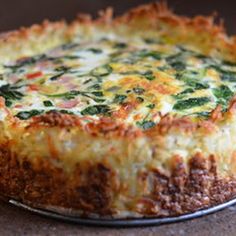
(16, 13)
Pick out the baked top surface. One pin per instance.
(135, 82)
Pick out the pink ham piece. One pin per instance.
(68, 104)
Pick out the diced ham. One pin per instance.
(68, 104)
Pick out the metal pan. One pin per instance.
(123, 222)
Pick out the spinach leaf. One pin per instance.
(226, 75)
(102, 71)
(191, 81)
(151, 106)
(25, 62)
(47, 103)
(119, 98)
(178, 65)
(183, 93)
(24, 115)
(95, 50)
(139, 99)
(146, 53)
(138, 90)
(97, 93)
(176, 62)
(68, 95)
(10, 94)
(62, 70)
(120, 45)
(190, 103)
(96, 110)
(148, 75)
(223, 94)
(146, 124)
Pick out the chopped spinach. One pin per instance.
(151, 41)
(183, 93)
(96, 110)
(191, 81)
(95, 86)
(176, 62)
(55, 77)
(140, 99)
(102, 71)
(138, 90)
(178, 65)
(226, 75)
(68, 95)
(146, 53)
(10, 94)
(146, 124)
(95, 50)
(223, 94)
(120, 45)
(24, 115)
(25, 62)
(97, 93)
(69, 46)
(47, 103)
(204, 114)
(62, 70)
(119, 98)
(151, 106)
(190, 103)
(148, 75)
(229, 63)
(72, 94)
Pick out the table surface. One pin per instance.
(15, 221)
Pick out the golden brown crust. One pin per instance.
(108, 168)
(91, 188)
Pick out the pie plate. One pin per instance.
(130, 222)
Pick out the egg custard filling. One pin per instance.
(137, 82)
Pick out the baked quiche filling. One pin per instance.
(136, 82)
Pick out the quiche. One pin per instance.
(124, 117)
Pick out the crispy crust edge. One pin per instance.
(91, 189)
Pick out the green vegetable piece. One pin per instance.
(120, 45)
(153, 54)
(190, 103)
(119, 98)
(96, 110)
(223, 94)
(183, 93)
(148, 75)
(140, 99)
(47, 103)
(138, 90)
(228, 76)
(10, 94)
(102, 71)
(95, 50)
(55, 77)
(178, 65)
(97, 93)
(24, 115)
(68, 95)
(151, 106)
(146, 124)
(95, 86)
